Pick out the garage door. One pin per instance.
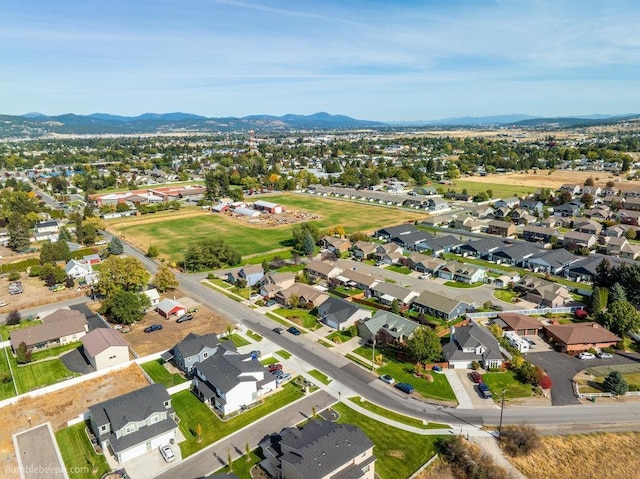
(134, 452)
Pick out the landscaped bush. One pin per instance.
(475, 365)
(545, 382)
(35, 271)
(634, 387)
(615, 383)
(519, 440)
(14, 276)
(19, 265)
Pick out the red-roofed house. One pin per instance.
(521, 324)
(581, 336)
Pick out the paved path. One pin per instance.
(464, 401)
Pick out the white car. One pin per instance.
(586, 355)
(603, 355)
(167, 453)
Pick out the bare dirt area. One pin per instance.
(35, 293)
(268, 220)
(61, 406)
(557, 178)
(203, 322)
(603, 455)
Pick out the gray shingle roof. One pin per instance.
(194, 343)
(226, 370)
(337, 309)
(437, 301)
(471, 336)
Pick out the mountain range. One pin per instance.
(33, 125)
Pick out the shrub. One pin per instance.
(35, 271)
(615, 383)
(14, 318)
(519, 440)
(14, 276)
(545, 382)
(634, 387)
(475, 365)
(337, 340)
(593, 351)
(5, 378)
(496, 370)
(428, 377)
(23, 355)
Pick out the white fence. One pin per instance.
(423, 467)
(534, 311)
(179, 387)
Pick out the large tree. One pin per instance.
(424, 345)
(615, 383)
(620, 317)
(52, 252)
(165, 279)
(116, 273)
(116, 246)
(18, 229)
(300, 233)
(210, 253)
(126, 307)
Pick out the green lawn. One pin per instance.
(78, 454)
(6, 330)
(401, 418)
(348, 291)
(505, 295)
(255, 336)
(277, 319)
(57, 351)
(32, 376)
(499, 190)
(498, 382)
(344, 337)
(241, 467)
(156, 370)
(398, 269)
(323, 378)
(171, 235)
(301, 317)
(460, 284)
(192, 412)
(403, 373)
(399, 453)
(283, 354)
(236, 339)
(268, 361)
(6, 388)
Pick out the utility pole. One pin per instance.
(373, 356)
(501, 414)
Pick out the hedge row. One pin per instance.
(19, 265)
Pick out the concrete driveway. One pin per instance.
(38, 454)
(472, 390)
(561, 368)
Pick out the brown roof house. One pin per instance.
(581, 336)
(335, 244)
(322, 270)
(105, 347)
(307, 296)
(542, 292)
(521, 324)
(501, 228)
(271, 283)
(63, 326)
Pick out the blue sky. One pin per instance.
(370, 59)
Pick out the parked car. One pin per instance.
(604, 355)
(152, 328)
(167, 453)
(277, 373)
(274, 367)
(405, 388)
(271, 302)
(255, 354)
(185, 317)
(586, 355)
(385, 378)
(283, 378)
(532, 343)
(293, 330)
(476, 377)
(278, 330)
(484, 391)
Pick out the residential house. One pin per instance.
(482, 248)
(424, 264)
(554, 261)
(335, 244)
(389, 253)
(630, 251)
(195, 348)
(340, 314)
(437, 204)
(319, 450)
(616, 231)
(506, 279)
(439, 245)
(462, 272)
(592, 190)
(571, 188)
(154, 297)
(578, 240)
(250, 273)
(357, 279)
(482, 211)
(501, 228)
(425, 191)
(62, 326)
(588, 226)
(468, 224)
(135, 423)
(92, 259)
(516, 254)
(409, 241)
(78, 269)
(440, 306)
(613, 201)
(105, 347)
(521, 324)
(306, 295)
(508, 203)
(391, 325)
(322, 270)
(273, 282)
(170, 307)
(571, 208)
(386, 293)
(600, 212)
(46, 231)
(472, 343)
(628, 217)
(501, 213)
(632, 203)
(363, 250)
(580, 336)
(533, 206)
(385, 234)
(230, 382)
(543, 293)
(534, 233)
(522, 217)
(610, 191)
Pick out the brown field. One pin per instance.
(542, 179)
(601, 455)
(35, 294)
(61, 406)
(204, 321)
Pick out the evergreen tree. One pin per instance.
(615, 383)
(309, 245)
(18, 229)
(617, 293)
(116, 246)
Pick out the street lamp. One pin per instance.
(501, 414)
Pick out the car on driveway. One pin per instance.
(255, 354)
(385, 378)
(271, 302)
(283, 378)
(185, 317)
(484, 391)
(586, 355)
(405, 388)
(293, 330)
(605, 355)
(167, 453)
(152, 328)
(476, 377)
(274, 367)
(278, 330)
(532, 343)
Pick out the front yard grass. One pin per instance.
(398, 269)
(267, 361)
(399, 453)
(283, 354)
(255, 336)
(242, 466)
(460, 284)
(301, 317)
(507, 380)
(236, 339)
(156, 370)
(192, 412)
(402, 372)
(401, 418)
(505, 295)
(44, 373)
(78, 454)
(323, 378)
(343, 337)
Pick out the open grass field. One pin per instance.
(584, 456)
(399, 453)
(79, 457)
(172, 232)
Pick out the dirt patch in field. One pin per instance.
(557, 178)
(61, 406)
(35, 293)
(605, 455)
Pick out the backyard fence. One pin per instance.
(535, 311)
(423, 467)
